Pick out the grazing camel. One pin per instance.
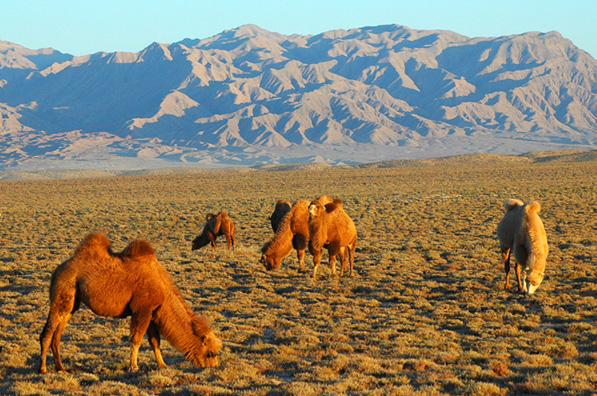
(332, 228)
(131, 283)
(216, 225)
(521, 231)
(293, 232)
(282, 207)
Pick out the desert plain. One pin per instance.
(425, 313)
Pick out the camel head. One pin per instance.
(315, 209)
(532, 281)
(207, 353)
(270, 262)
(200, 241)
(269, 259)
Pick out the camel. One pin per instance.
(216, 225)
(293, 232)
(131, 283)
(521, 231)
(332, 228)
(282, 207)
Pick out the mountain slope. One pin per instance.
(249, 96)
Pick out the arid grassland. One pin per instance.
(425, 313)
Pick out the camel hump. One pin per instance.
(330, 207)
(138, 248)
(302, 203)
(222, 214)
(532, 207)
(95, 243)
(512, 203)
(324, 199)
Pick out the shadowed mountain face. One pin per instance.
(250, 96)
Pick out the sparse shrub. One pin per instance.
(484, 389)
(566, 350)
(538, 360)
(500, 368)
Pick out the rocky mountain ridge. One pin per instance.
(250, 96)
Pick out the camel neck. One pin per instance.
(174, 321)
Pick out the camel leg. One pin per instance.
(153, 335)
(521, 287)
(58, 335)
(506, 260)
(212, 240)
(342, 261)
(333, 250)
(316, 262)
(301, 258)
(45, 338)
(139, 325)
(56, 342)
(299, 243)
(351, 251)
(50, 335)
(61, 309)
(333, 264)
(229, 241)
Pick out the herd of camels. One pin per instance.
(133, 282)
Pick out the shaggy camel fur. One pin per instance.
(332, 228)
(293, 232)
(282, 207)
(216, 225)
(521, 231)
(131, 283)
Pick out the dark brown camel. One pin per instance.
(216, 225)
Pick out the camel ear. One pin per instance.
(209, 216)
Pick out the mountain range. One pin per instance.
(248, 96)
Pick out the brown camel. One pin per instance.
(216, 225)
(521, 231)
(282, 207)
(332, 228)
(131, 283)
(293, 232)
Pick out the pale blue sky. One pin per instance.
(82, 27)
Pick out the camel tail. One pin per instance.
(512, 203)
(532, 207)
(138, 248)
